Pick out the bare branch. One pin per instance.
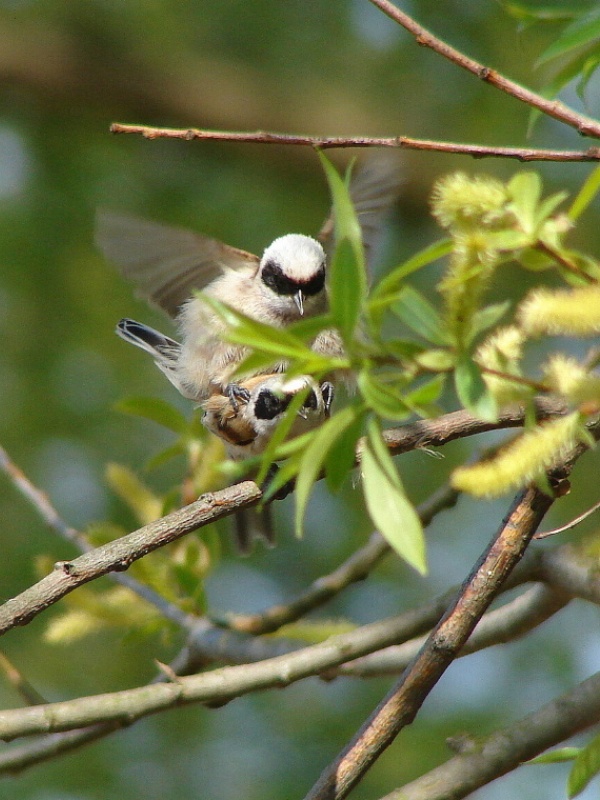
(511, 621)
(223, 684)
(507, 749)
(572, 524)
(355, 568)
(586, 126)
(41, 503)
(523, 154)
(402, 704)
(118, 555)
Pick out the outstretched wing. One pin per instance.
(374, 188)
(164, 263)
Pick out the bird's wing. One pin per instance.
(164, 263)
(374, 188)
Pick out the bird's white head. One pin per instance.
(293, 269)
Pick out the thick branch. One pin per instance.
(524, 154)
(507, 749)
(586, 126)
(401, 705)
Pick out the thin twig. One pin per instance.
(586, 126)
(355, 568)
(569, 525)
(524, 154)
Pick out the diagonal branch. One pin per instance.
(402, 704)
(507, 749)
(586, 126)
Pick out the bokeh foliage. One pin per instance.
(69, 69)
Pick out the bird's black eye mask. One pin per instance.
(268, 405)
(273, 276)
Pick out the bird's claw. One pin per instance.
(236, 394)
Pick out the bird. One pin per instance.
(248, 427)
(167, 265)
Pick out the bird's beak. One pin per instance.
(299, 300)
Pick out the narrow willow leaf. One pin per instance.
(586, 767)
(426, 394)
(251, 333)
(314, 458)
(280, 433)
(347, 288)
(156, 410)
(472, 390)
(420, 316)
(383, 400)
(346, 221)
(583, 31)
(141, 500)
(556, 756)
(165, 455)
(390, 283)
(342, 453)
(586, 194)
(525, 189)
(436, 360)
(487, 317)
(389, 508)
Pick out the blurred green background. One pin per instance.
(67, 70)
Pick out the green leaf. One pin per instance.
(426, 394)
(586, 194)
(586, 767)
(556, 756)
(389, 508)
(487, 317)
(383, 400)
(420, 316)
(156, 410)
(342, 453)
(165, 455)
(436, 360)
(389, 285)
(345, 218)
(526, 13)
(583, 31)
(251, 333)
(280, 432)
(472, 391)
(314, 458)
(347, 289)
(525, 189)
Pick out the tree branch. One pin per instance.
(507, 749)
(586, 126)
(118, 555)
(523, 154)
(505, 624)
(402, 704)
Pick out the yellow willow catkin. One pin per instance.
(520, 462)
(573, 312)
(502, 351)
(567, 377)
(463, 202)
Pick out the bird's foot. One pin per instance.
(236, 394)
